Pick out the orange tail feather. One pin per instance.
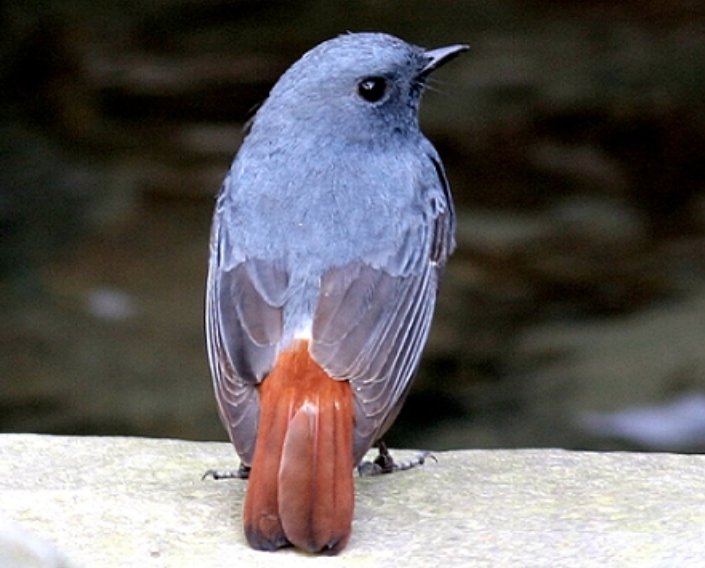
(301, 483)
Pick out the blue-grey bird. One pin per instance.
(329, 237)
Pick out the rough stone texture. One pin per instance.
(141, 502)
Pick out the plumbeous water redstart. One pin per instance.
(329, 237)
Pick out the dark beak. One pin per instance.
(440, 55)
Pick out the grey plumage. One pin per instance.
(334, 224)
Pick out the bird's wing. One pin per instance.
(370, 324)
(372, 319)
(244, 300)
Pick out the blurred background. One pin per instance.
(573, 133)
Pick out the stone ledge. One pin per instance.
(141, 502)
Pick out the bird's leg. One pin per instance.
(384, 463)
(242, 472)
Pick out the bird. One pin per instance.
(330, 234)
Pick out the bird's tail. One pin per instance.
(301, 482)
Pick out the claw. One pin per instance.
(243, 472)
(384, 463)
(420, 459)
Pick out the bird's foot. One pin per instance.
(243, 472)
(384, 463)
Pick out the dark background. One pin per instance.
(573, 134)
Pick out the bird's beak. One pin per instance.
(440, 55)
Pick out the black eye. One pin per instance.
(372, 89)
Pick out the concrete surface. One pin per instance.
(108, 502)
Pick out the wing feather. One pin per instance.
(244, 300)
(372, 319)
(370, 323)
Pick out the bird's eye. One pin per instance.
(372, 89)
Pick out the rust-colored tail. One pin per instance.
(301, 483)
